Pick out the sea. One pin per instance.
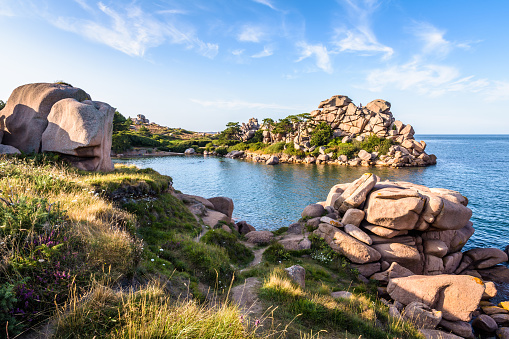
(270, 197)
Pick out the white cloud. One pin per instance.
(239, 104)
(172, 11)
(428, 79)
(434, 40)
(133, 31)
(361, 41)
(251, 34)
(238, 52)
(267, 51)
(499, 91)
(360, 37)
(266, 3)
(321, 55)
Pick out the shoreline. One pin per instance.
(264, 158)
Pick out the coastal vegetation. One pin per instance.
(105, 254)
(228, 140)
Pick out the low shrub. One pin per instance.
(275, 148)
(276, 253)
(238, 253)
(321, 134)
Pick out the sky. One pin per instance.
(198, 64)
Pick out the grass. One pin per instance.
(147, 313)
(238, 253)
(115, 255)
(360, 315)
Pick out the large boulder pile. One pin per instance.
(45, 117)
(351, 122)
(248, 130)
(409, 238)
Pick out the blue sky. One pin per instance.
(199, 64)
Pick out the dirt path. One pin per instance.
(257, 254)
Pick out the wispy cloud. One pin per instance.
(132, 31)
(239, 104)
(434, 40)
(250, 33)
(423, 78)
(83, 4)
(172, 11)
(5, 9)
(266, 3)
(238, 52)
(499, 91)
(359, 37)
(267, 51)
(321, 55)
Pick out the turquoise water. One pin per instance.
(269, 197)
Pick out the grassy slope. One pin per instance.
(106, 254)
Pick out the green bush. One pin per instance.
(257, 146)
(2, 105)
(7, 303)
(222, 150)
(276, 253)
(321, 134)
(291, 150)
(275, 148)
(238, 147)
(238, 253)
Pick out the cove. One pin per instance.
(270, 197)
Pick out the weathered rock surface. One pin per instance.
(81, 131)
(353, 216)
(421, 315)
(461, 328)
(406, 256)
(298, 274)
(485, 323)
(457, 296)
(244, 227)
(6, 149)
(295, 242)
(341, 295)
(260, 237)
(355, 194)
(358, 234)
(355, 250)
(272, 160)
(436, 334)
(313, 211)
(24, 117)
(223, 205)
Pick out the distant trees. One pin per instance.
(120, 123)
(321, 134)
(144, 131)
(231, 131)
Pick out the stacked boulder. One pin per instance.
(409, 238)
(58, 118)
(351, 122)
(248, 130)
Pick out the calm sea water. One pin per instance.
(269, 197)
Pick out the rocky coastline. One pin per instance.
(407, 238)
(348, 124)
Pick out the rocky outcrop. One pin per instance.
(81, 131)
(248, 130)
(45, 117)
(349, 123)
(416, 235)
